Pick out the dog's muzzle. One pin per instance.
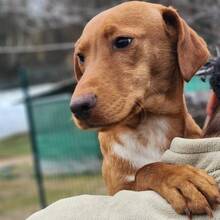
(81, 106)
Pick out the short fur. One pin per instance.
(140, 104)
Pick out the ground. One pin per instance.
(18, 194)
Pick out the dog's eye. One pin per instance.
(81, 57)
(122, 42)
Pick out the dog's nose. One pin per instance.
(82, 105)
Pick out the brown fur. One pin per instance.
(140, 86)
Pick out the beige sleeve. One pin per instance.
(147, 205)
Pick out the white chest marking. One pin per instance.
(130, 178)
(136, 153)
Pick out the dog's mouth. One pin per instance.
(92, 125)
(95, 126)
(100, 125)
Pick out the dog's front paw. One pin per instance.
(189, 190)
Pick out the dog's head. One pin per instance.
(132, 57)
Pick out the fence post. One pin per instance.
(37, 168)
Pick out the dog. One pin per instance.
(131, 62)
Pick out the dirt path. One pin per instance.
(15, 161)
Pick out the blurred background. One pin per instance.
(43, 156)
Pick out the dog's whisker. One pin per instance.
(155, 91)
(141, 109)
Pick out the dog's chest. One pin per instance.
(145, 145)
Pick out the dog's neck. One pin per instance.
(146, 142)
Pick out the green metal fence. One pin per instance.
(196, 85)
(63, 148)
(67, 160)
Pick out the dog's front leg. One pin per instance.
(189, 190)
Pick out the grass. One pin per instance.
(58, 188)
(17, 145)
(20, 194)
(18, 191)
(20, 197)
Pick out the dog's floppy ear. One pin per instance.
(191, 49)
(77, 70)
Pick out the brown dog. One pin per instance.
(131, 62)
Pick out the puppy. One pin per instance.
(131, 62)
